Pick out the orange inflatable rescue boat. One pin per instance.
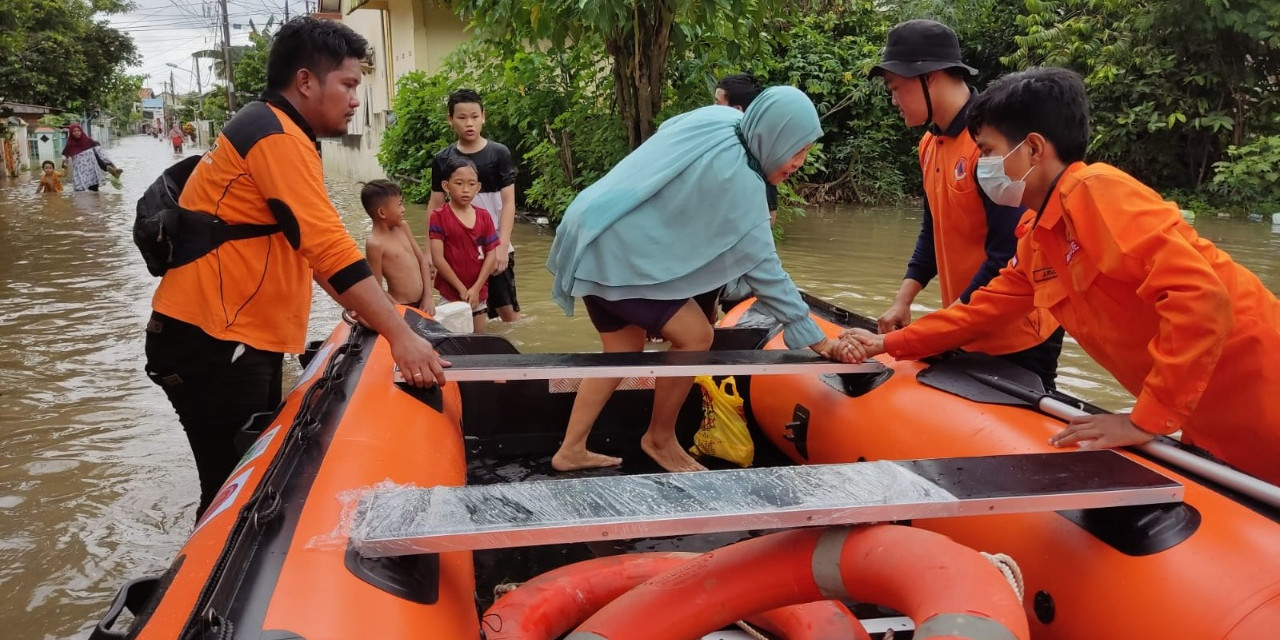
(271, 558)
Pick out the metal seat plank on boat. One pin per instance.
(409, 520)
(661, 364)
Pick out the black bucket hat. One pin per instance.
(917, 47)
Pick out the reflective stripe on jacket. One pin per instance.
(264, 169)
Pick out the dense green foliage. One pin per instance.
(1183, 92)
(639, 38)
(55, 53)
(555, 116)
(120, 104)
(1172, 83)
(250, 65)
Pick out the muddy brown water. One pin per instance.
(96, 481)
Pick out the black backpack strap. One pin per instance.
(228, 232)
(195, 234)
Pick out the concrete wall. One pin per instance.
(441, 32)
(354, 156)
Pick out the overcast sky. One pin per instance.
(169, 31)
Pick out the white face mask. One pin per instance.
(998, 186)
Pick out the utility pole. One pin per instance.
(173, 95)
(199, 91)
(226, 58)
(286, 10)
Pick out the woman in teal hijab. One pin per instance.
(673, 221)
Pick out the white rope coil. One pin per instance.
(1009, 568)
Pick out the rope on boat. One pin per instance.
(1008, 568)
(750, 630)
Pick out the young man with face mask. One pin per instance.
(1190, 333)
(966, 235)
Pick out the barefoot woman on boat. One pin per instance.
(648, 246)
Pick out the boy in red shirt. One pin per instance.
(463, 240)
(1193, 335)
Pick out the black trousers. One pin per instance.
(215, 386)
(1041, 359)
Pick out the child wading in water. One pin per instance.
(463, 240)
(497, 194)
(391, 249)
(49, 181)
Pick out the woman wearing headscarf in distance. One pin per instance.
(176, 137)
(83, 152)
(673, 221)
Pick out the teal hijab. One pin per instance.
(685, 212)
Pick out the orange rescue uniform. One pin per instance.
(961, 234)
(264, 169)
(1193, 335)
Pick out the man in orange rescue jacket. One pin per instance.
(1193, 335)
(222, 323)
(965, 238)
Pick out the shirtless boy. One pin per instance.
(392, 251)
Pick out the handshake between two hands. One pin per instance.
(852, 346)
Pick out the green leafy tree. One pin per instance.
(251, 67)
(55, 53)
(1172, 83)
(214, 106)
(120, 103)
(551, 107)
(417, 132)
(639, 36)
(1250, 178)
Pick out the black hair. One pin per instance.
(319, 46)
(1048, 101)
(46, 162)
(375, 192)
(739, 89)
(464, 96)
(453, 163)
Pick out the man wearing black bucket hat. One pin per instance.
(965, 238)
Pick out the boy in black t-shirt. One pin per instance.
(497, 172)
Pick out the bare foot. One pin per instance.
(573, 460)
(669, 455)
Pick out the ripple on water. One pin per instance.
(49, 467)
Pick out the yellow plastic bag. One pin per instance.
(723, 433)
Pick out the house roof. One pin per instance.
(28, 109)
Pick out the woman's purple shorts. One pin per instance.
(651, 315)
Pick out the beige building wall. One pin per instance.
(404, 35)
(440, 34)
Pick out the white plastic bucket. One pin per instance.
(455, 316)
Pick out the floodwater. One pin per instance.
(96, 481)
